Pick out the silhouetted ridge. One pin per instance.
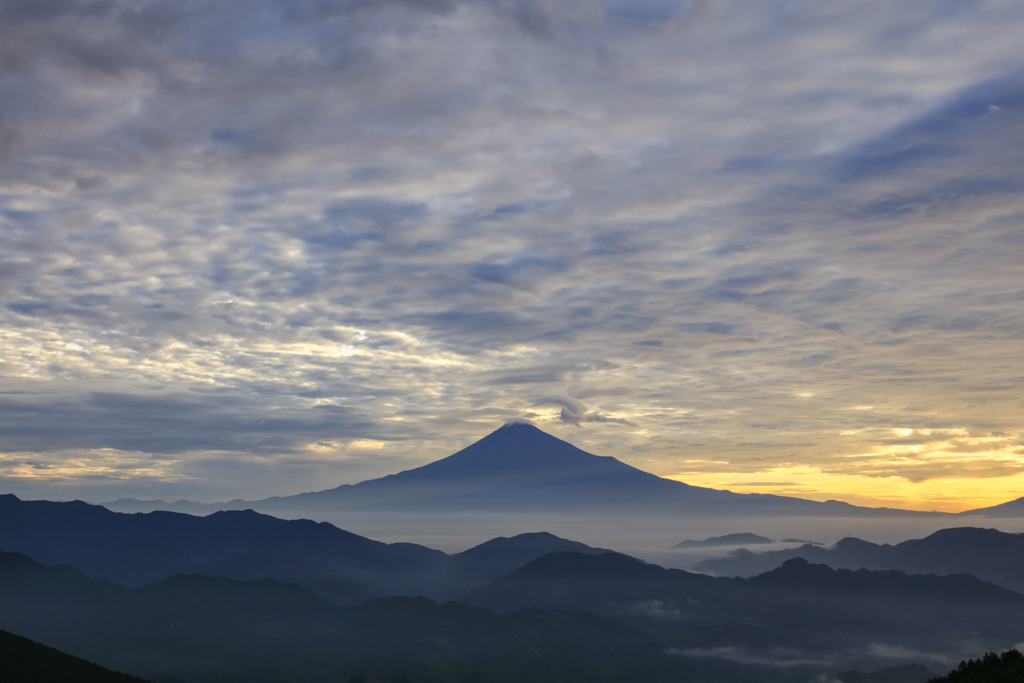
(134, 549)
(799, 574)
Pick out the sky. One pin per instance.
(264, 247)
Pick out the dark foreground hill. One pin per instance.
(985, 553)
(642, 623)
(25, 661)
(198, 628)
(991, 668)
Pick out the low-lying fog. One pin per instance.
(650, 538)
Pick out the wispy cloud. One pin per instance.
(704, 228)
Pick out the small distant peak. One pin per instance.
(854, 543)
(795, 563)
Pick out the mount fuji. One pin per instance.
(519, 468)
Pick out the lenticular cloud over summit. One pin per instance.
(573, 411)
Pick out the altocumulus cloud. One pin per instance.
(257, 236)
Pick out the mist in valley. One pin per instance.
(649, 537)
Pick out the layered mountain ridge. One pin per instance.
(988, 554)
(240, 595)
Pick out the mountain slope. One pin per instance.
(1013, 508)
(519, 468)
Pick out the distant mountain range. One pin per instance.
(521, 468)
(244, 596)
(652, 624)
(135, 549)
(988, 554)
